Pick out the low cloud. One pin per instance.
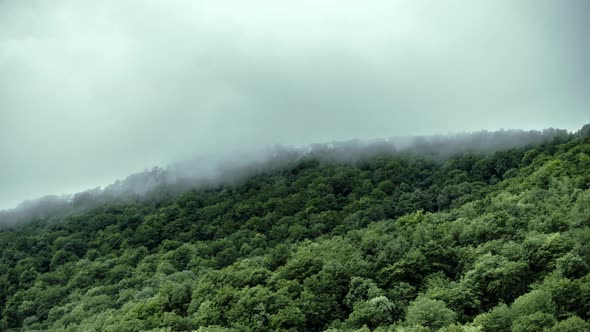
(212, 172)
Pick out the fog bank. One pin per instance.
(215, 171)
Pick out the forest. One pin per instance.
(494, 241)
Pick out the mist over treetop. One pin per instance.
(215, 171)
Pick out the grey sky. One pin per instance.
(91, 91)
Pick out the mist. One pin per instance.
(91, 92)
(157, 184)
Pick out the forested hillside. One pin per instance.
(406, 242)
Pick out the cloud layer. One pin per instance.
(93, 91)
(158, 183)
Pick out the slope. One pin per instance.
(489, 242)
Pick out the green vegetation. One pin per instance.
(494, 242)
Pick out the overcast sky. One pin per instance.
(91, 91)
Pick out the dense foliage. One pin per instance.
(478, 242)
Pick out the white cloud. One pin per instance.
(92, 91)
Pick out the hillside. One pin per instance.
(494, 241)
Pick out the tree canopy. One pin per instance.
(475, 242)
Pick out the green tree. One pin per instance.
(429, 313)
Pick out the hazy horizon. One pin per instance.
(92, 92)
(219, 169)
